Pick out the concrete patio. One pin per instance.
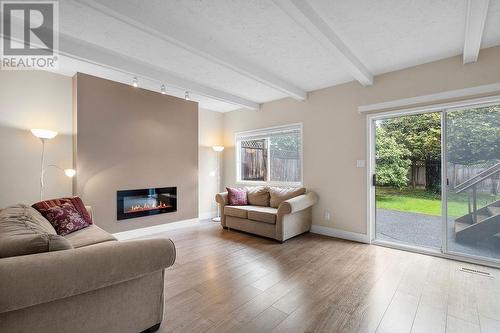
(425, 231)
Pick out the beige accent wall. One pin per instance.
(210, 134)
(33, 99)
(130, 138)
(335, 133)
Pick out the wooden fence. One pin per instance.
(457, 173)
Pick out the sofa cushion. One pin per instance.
(280, 194)
(88, 236)
(236, 196)
(262, 214)
(258, 196)
(236, 211)
(24, 231)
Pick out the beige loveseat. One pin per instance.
(86, 281)
(278, 213)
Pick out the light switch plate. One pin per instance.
(360, 163)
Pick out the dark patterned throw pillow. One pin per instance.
(65, 219)
(76, 202)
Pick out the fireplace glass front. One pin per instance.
(145, 202)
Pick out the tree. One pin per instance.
(421, 135)
(474, 136)
(473, 139)
(393, 160)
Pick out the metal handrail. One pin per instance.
(472, 182)
(480, 177)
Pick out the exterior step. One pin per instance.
(486, 227)
(494, 210)
(459, 226)
(489, 210)
(481, 217)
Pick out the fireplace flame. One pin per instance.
(138, 208)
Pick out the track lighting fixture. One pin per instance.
(186, 96)
(135, 82)
(163, 89)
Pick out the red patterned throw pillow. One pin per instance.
(237, 196)
(65, 219)
(65, 214)
(76, 202)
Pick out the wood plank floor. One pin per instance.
(226, 281)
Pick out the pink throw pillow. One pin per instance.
(237, 196)
(65, 219)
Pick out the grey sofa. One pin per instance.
(278, 213)
(95, 284)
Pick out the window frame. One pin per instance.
(239, 136)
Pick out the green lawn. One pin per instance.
(424, 202)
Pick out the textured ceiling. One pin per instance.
(385, 35)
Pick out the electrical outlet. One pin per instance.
(327, 216)
(360, 163)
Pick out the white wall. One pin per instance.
(210, 134)
(335, 133)
(34, 99)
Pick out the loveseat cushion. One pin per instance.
(262, 214)
(258, 196)
(236, 211)
(88, 236)
(280, 194)
(25, 231)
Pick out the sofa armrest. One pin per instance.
(298, 203)
(91, 212)
(221, 198)
(44, 277)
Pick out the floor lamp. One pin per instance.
(44, 136)
(218, 150)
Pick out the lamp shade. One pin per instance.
(218, 148)
(43, 133)
(70, 172)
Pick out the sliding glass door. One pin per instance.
(472, 151)
(436, 181)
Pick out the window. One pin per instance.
(272, 155)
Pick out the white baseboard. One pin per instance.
(332, 232)
(135, 233)
(208, 215)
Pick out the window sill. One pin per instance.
(261, 183)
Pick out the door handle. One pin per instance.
(374, 180)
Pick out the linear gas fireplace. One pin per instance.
(145, 202)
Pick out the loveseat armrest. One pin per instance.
(45, 277)
(297, 203)
(221, 198)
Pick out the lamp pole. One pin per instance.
(42, 171)
(45, 135)
(218, 150)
